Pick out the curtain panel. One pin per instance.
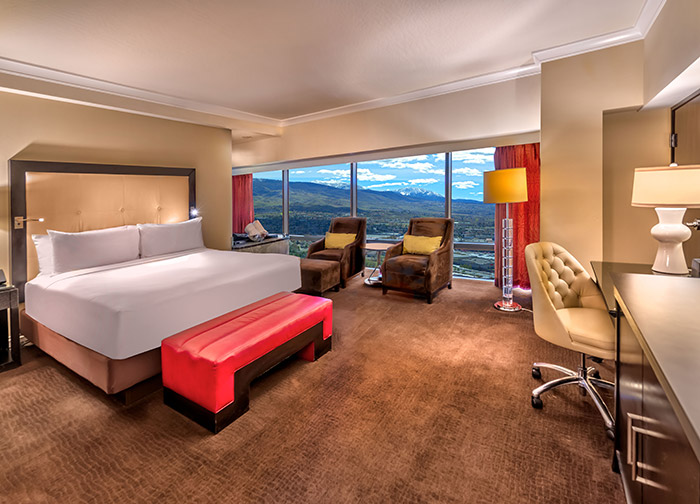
(242, 202)
(526, 216)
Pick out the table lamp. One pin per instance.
(506, 186)
(670, 190)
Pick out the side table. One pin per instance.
(9, 328)
(372, 280)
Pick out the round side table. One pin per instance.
(376, 280)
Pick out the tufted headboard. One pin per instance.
(75, 197)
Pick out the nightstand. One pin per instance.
(9, 328)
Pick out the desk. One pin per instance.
(657, 420)
(603, 271)
(9, 328)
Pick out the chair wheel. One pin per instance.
(582, 391)
(596, 374)
(610, 433)
(597, 360)
(536, 402)
(536, 373)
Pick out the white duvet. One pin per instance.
(125, 309)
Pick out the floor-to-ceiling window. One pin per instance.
(267, 200)
(392, 191)
(474, 220)
(389, 193)
(316, 195)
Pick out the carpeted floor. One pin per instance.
(416, 403)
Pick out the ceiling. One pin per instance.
(278, 60)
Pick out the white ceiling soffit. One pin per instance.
(646, 18)
(679, 89)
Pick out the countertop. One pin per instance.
(663, 312)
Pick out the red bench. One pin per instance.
(207, 369)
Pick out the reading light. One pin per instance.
(669, 190)
(194, 212)
(20, 220)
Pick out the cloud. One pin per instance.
(466, 184)
(422, 181)
(296, 172)
(385, 184)
(365, 174)
(475, 156)
(416, 163)
(335, 173)
(471, 172)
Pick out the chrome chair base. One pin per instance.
(586, 377)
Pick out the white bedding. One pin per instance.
(125, 309)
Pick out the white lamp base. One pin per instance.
(670, 232)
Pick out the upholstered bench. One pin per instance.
(318, 276)
(207, 369)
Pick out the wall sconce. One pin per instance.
(20, 220)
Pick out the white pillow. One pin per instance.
(44, 253)
(73, 251)
(159, 239)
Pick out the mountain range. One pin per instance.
(312, 205)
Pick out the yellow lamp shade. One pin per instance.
(667, 186)
(505, 186)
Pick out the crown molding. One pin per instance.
(451, 87)
(645, 20)
(647, 16)
(17, 68)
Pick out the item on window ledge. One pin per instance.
(263, 232)
(695, 269)
(253, 233)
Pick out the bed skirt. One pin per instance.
(111, 375)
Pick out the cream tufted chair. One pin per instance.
(569, 311)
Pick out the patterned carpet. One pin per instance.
(416, 403)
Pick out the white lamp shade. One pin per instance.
(664, 186)
(505, 186)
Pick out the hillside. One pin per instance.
(388, 212)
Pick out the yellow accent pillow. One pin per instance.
(339, 240)
(421, 245)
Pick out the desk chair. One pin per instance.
(569, 311)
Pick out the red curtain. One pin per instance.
(242, 202)
(526, 216)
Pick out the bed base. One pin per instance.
(127, 380)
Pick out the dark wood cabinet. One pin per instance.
(656, 459)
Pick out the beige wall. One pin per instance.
(501, 109)
(631, 140)
(575, 92)
(44, 130)
(672, 44)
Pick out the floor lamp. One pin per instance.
(506, 186)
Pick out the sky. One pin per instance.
(426, 172)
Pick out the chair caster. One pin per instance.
(582, 391)
(597, 360)
(596, 374)
(610, 433)
(536, 373)
(536, 402)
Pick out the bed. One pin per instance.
(106, 322)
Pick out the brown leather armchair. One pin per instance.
(351, 258)
(421, 274)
